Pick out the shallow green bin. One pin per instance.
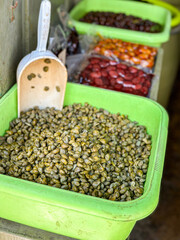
(143, 10)
(77, 215)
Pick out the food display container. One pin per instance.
(82, 60)
(77, 215)
(142, 10)
(132, 53)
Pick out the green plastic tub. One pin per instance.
(77, 215)
(143, 10)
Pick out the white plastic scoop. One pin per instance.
(41, 76)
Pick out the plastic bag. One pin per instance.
(100, 71)
(72, 37)
(63, 40)
(75, 64)
(57, 40)
(142, 56)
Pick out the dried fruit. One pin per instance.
(115, 76)
(129, 52)
(121, 20)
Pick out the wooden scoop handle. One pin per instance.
(43, 25)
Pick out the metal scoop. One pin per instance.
(41, 76)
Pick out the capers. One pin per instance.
(81, 149)
(46, 88)
(47, 60)
(58, 89)
(31, 76)
(45, 68)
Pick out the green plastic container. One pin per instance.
(175, 21)
(143, 10)
(77, 215)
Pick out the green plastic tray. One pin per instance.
(175, 21)
(77, 215)
(143, 10)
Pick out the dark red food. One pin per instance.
(95, 74)
(73, 43)
(113, 74)
(121, 20)
(116, 76)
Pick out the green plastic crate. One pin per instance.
(77, 215)
(143, 10)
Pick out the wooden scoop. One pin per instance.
(41, 76)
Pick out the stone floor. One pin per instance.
(164, 223)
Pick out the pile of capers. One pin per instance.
(81, 148)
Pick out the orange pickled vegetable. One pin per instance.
(130, 52)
